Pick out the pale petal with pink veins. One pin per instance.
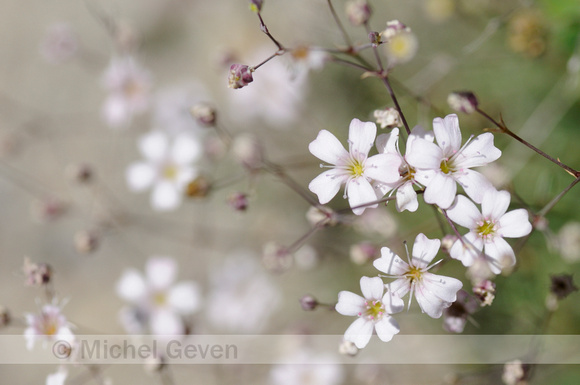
(407, 198)
(392, 303)
(478, 152)
(501, 255)
(361, 136)
(359, 192)
(390, 263)
(441, 190)
(495, 203)
(429, 302)
(359, 332)
(328, 148)
(372, 288)
(467, 252)
(474, 184)
(327, 184)
(447, 133)
(441, 286)
(424, 250)
(386, 143)
(349, 303)
(515, 224)
(464, 212)
(383, 167)
(399, 287)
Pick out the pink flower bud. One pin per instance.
(463, 101)
(358, 12)
(238, 201)
(240, 76)
(308, 302)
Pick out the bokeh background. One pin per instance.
(521, 58)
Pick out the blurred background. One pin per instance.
(521, 58)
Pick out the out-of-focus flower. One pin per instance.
(251, 296)
(276, 258)
(304, 58)
(36, 274)
(321, 216)
(404, 185)
(358, 12)
(59, 44)
(167, 167)
(173, 108)
(353, 168)
(485, 292)
(297, 369)
(399, 42)
(455, 316)
(308, 302)
(128, 86)
(376, 222)
(388, 118)
(562, 285)
(569, 242)
(86, 241)
(528, 33)
(238, 201)
(58, 377)
(157, 299)
(49, 325)
(256, 5)
(434, 293)
(488, 229)
(373, 312)
(363, 252)
(447, 163)
(47, 209)
(515, 373)
(439, 10)
(248, 151)
(204, 114)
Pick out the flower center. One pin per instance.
(414, 273)
(169, 171)
(300, 53)
(446, 167)
(407, 172)
(374, 310)
(159, 299)
(356, 168)
(486, 229)
(50, 327)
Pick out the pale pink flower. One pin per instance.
(373, 312)
(354, 167)
(404, 185)
(128, 86)
(167, 168)
(487, 229)
(434, 293)
(48, 326)
(156, 300)
(446, 163)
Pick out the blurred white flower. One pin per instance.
(242, 296)
(354, 168)
(128, 86)
(59, 43)
(302, 59)
(167, 168)
(400, 43)
(57, 378)
(172, 111)
(434, 293)
(447, 163)
(488, 229)
(373, 312)
(49, 325)
(387, 118)
(569, 242)
(156, 299)
(324, 371)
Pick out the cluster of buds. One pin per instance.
(485, 292)
(358, 12)
(388, 118)
(240, 76)
(463, 101)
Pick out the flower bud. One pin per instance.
(388, 118)
(276, 258)
(36, 274)
(463, 101)
(86, 241)
(256, 5)
(247, 150)
(363, 252)
(515, 373)
(358, 12)
(321, 216)
(394, 27)
(347, 348)
(47, 210)
(308, 302)
(238, 201)
(203, 114)
(240, 76)
(485, 292)
(375, 38)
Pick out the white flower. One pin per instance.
(172, 112)
(373, 312)
(487, 229)
(568, 242)
(167, 167)
(156, 299)
(129, 87)
(353, 168)
(58, 377)
(296, 369)
(50, 325)
(447, 162)
(434, 293)
(303, 59)
(406, 195)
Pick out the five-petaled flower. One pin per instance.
(373, 312)
(487, 229)
(434, 293)
(353, 167)
(447, 162)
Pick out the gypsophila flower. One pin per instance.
(354, 168)
(358, 12)
(388, 118)
(487, 229)
(304, 58)
(400, 43)
(240, 76)
(447, 163)
(158, 301)
(373, 312)
(404, 185)
(167, 168)
(48, 326)
(173, 109)
(463, 101)
(434, 293)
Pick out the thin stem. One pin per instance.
(439, 221)
(351, 64)
(279, 172)
(554, 201)
(264, 29)
(503, 128)
(277, 53)
(397, 106)
(375, 51)
(340, 26)
(300, 241)
(382, 200)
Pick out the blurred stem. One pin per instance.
(278, 171)
(503, 128)
(280, 52)
(351, 64)
(554, 201)
(340, 26)
(396, 102)
(264, 29)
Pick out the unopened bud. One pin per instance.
(86, 241)
(363, 252)
(238, 201)
(276, 258)
(36, 274)
(204, 114)
(247, 150)
(515, 373)
(4, 317)
(240, 76)
(447, 242)
(375, 38)
(198, 188)
(308, 302)
(358, 12)
(321, 216)
(388, 118)
(256, 5)
(463, 101)
(394, 27)
(79, 172)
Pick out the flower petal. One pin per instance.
(140, 176)
(429, 302)
(464, 212)
(166, 323)
(467, 252)
(359, 192)
(131, 287)
(154, 146)
(424, 154)
(361, 136)
(387, 143)
(386, 328)
(161, 272)
(448, 134)
(390, 263)
(443, 287)
(185, 297)
(327, 184)
(165, 196)
(441, 190)
(478, 152)
(349, 303)
(185, 149)
(399, 287)
(474, 184)
(424, 250)
(383, 167)
(500, 255)
(514, 224)
(372, 288)
(328, 148)
(393, 303)
(407, 198)
(359, 332)
(495, 203)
